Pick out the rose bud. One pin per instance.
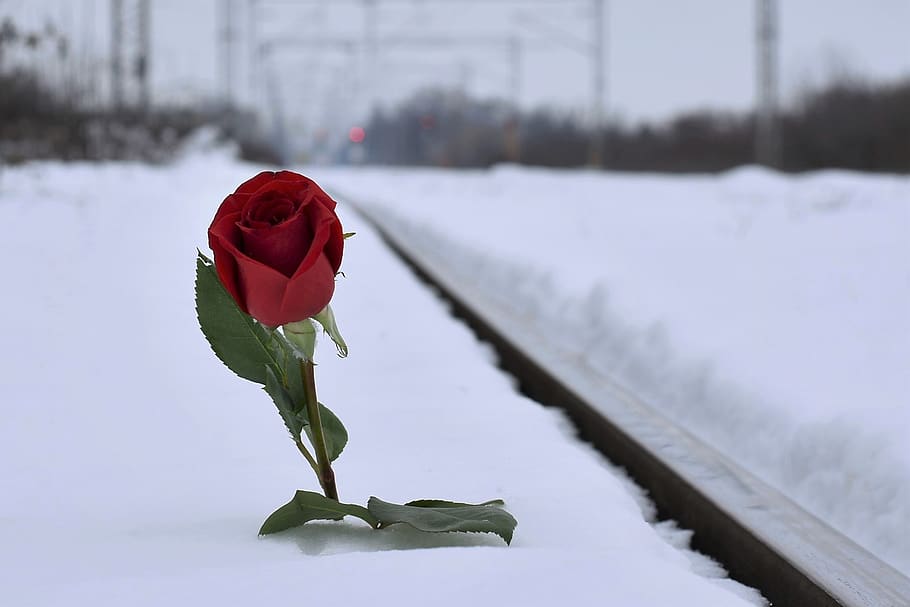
(278, 244)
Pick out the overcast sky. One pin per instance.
(663, 55)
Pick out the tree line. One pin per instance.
(847, 124)
(50, 109)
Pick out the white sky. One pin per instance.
(664, 55)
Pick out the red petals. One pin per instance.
(278, 245)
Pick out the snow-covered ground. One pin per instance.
(769, 314)
(136, 469)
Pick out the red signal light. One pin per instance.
(357, 134)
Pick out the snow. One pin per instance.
(137, 469)
(768, 314)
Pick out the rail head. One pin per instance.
(762, 537)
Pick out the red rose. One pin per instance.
(278, 246)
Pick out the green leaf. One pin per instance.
(441, 516)
(348, 234)
(245, 346)
(447, 504)
(308, 506)
(294, 383)
(336, 437)
(284, 402)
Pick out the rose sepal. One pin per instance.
(302, 336)
(326, 318)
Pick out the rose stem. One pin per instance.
(326, 475)
(306, 454)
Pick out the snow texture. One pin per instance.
(137, 469)
(768, 314)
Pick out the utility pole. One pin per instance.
(767, 129)
(280, 141)
(599, 83)
(86, 56)
(369, 52)
(256, 62)
(130, 50)
(465, 76)
(226, 54)
(143, 54)
(117, 55)
(513, 124)
(515, 70)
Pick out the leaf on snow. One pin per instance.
(440, 516)
(308, 506)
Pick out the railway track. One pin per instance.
(760, 536)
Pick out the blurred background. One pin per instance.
(762, 309)
(642, 85)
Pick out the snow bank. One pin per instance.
(768, 314)
(137, 469)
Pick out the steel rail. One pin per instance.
(760, 536)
